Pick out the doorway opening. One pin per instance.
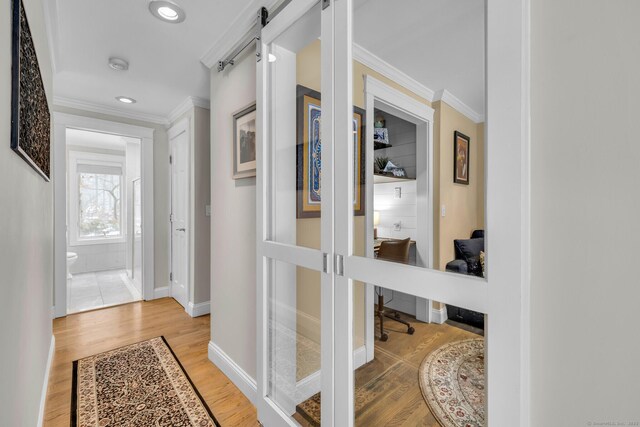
(104, 226)
(103, 222)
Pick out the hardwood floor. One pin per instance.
(387, 389)
(84, 334)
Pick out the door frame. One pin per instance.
(182, 126)
(62, 122)
(378, 94)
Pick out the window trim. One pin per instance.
(76, 157)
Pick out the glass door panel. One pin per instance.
(416, 249)
(296, 233)
(295, 88)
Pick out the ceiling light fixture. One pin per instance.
(167, 11)
(126, 100)
(118, 64)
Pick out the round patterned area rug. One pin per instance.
(452, 383)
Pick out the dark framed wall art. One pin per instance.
(308, 158)
(30, 116)
(461, 151)
(244, 142)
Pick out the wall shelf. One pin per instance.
(383, 179)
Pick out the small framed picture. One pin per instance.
(461, 158)
(244, 142)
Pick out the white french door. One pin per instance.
(314, 265)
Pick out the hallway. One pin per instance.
(84, 334)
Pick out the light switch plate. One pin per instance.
(207, 210)
(397, 193)
(397, 226)
(443, 211)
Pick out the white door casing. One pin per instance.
(179, 218)
(62, 122)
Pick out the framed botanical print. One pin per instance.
(461, 152)
(30, 116)
(309, 150)
(244, 142)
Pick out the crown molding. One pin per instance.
(51, 26)
(111, 111)
(457, 104)
(372, 61)
(238, 28)
(189, 103)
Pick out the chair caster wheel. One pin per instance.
(384, 337)
(411, 330)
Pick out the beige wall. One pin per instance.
(233, 221)
(464, 203)
(202, 195)
(160, 186)
(585, 210)
(26, 246)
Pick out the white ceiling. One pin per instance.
(89, 139)
(164, 58)
(439, 43)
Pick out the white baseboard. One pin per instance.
(234, 372)
(199, 309)
(161, 292)
(45, 383)
(439, 315)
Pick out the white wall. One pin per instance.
(585, 157)
(233, 220)
(98, 257)
(394, 210)
(26, 247)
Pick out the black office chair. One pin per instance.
(396, 251)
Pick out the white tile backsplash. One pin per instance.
(108, 256)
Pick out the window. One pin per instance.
(96, 198)
(99, 205)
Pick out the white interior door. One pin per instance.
(295, 214)
(179, 163)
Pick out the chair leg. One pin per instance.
(396, 317)
(383, 334)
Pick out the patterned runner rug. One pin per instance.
(142, 384)
(452, 382)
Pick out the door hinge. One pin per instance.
(170, 217)
(171, 277)
(326, 4)
(170, 160)
(324, 263)
(339, 265)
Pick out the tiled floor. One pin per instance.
(88, 291)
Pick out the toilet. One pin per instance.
(72, 257)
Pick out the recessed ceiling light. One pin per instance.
(126, 100)
(118, 64)
(167, 11)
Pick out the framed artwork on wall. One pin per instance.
(308, 158)
(244, 142)
(461, 152)
(30, 116)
